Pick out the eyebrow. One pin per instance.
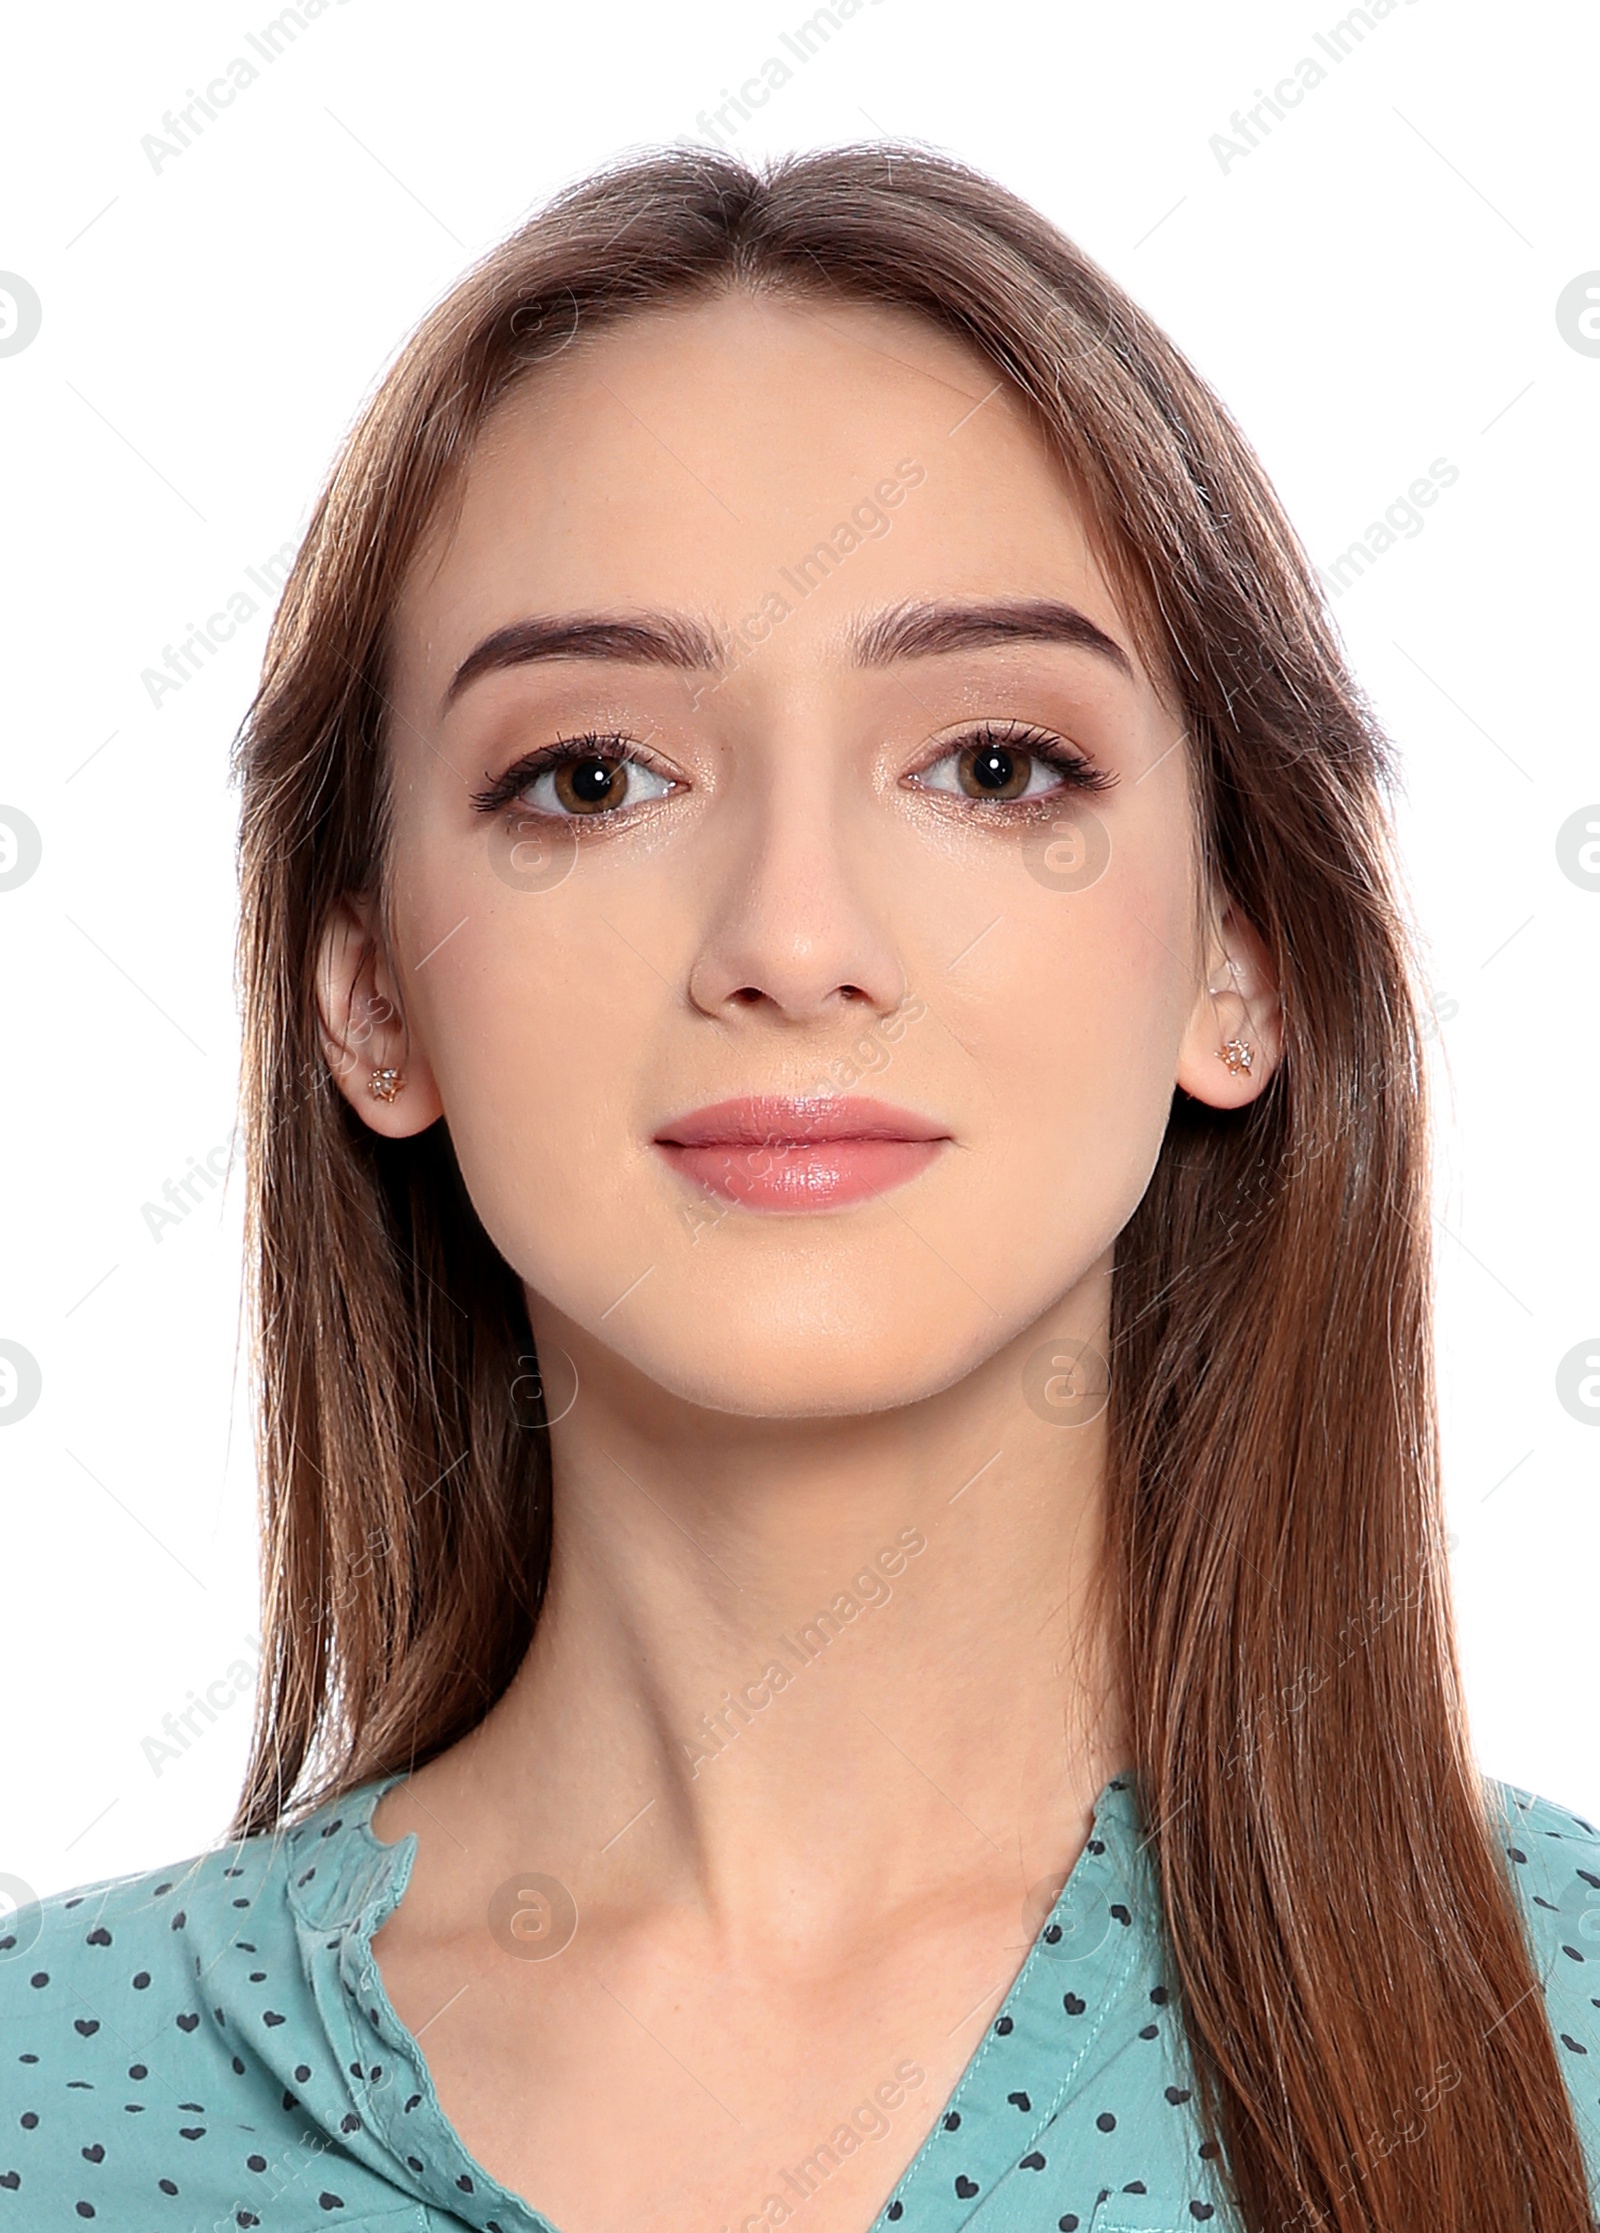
(907, 631)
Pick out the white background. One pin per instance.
(1372, 288)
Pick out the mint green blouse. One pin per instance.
(210, 2046)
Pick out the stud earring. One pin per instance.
(383, 1085)
(1237, 1053)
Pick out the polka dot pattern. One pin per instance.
(210, 2047)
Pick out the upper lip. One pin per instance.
(773, 1119)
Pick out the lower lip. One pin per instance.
(802, 1175)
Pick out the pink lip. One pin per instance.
(781, 1152)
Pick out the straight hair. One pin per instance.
(1273, 1589)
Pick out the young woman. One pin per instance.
(856, 1617)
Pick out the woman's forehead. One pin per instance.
(716, 456)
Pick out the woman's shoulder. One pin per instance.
(141, 1933)
(1555, 1856)
(1555, 1866)
(158, 1931)
(161, 2050)
(102, 1984)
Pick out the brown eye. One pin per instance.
(999, 765)
(590, 784)
(578, 782)
(994, 771)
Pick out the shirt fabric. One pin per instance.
(210, 2046)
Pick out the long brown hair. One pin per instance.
(1342, 1926)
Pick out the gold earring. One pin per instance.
(383, 1085)
(1237, 1053)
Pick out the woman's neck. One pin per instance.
(852, 1658)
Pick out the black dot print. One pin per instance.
(154, 2056)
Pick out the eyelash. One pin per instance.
(1079, 773)
(590, 745)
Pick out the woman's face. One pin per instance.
(764, 732)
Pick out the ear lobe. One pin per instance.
(1234, 1038)
(383, 1075)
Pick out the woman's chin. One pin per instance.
(789, 1376)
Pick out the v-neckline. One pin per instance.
(1081, 1956)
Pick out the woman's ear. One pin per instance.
(1234, 1038)
(378, 1069)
